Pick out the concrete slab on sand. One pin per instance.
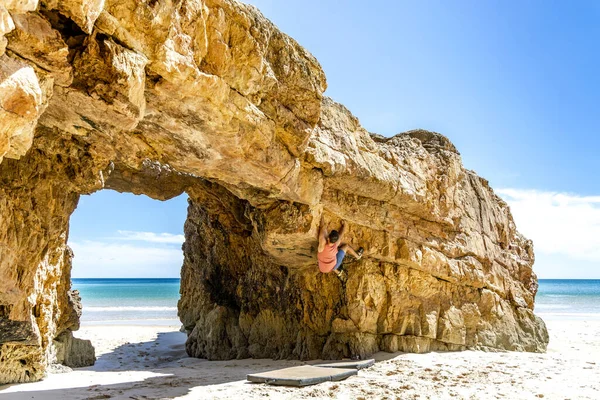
(301, 376)
(359, 364)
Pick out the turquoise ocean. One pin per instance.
(568, 299)
(154, 301)
(128, 301)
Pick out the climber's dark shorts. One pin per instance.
(339, 257)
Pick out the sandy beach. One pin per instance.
(149, 362)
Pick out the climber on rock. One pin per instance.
(332, 251)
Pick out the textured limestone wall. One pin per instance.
(250, 286)
(37, 196)
(210, 98)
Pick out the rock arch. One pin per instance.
(210, 98)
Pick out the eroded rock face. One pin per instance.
(210, 98)
(250, 287)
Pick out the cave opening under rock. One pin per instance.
(249, 282)
(244, 271)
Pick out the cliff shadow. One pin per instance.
(158, 368)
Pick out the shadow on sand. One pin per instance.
(155, 369)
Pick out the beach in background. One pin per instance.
(141, 355)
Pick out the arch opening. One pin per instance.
(127, 258)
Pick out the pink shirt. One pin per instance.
(327, 258)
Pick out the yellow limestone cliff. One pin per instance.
(162, 97)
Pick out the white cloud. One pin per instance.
(558, 223)
(94, 259)
(150, 237)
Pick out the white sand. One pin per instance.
(149, 362)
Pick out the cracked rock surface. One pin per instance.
(211, 99)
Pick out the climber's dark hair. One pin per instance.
(334, 236)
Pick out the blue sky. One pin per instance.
(514, 84)
(115, 235)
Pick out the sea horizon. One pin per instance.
(539, 279)
(153, 301)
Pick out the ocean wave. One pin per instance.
(570, 314)
(540, 306)
(139, 322)
(129, 308)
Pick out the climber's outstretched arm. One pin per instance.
(322, 235)
(342, 231)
